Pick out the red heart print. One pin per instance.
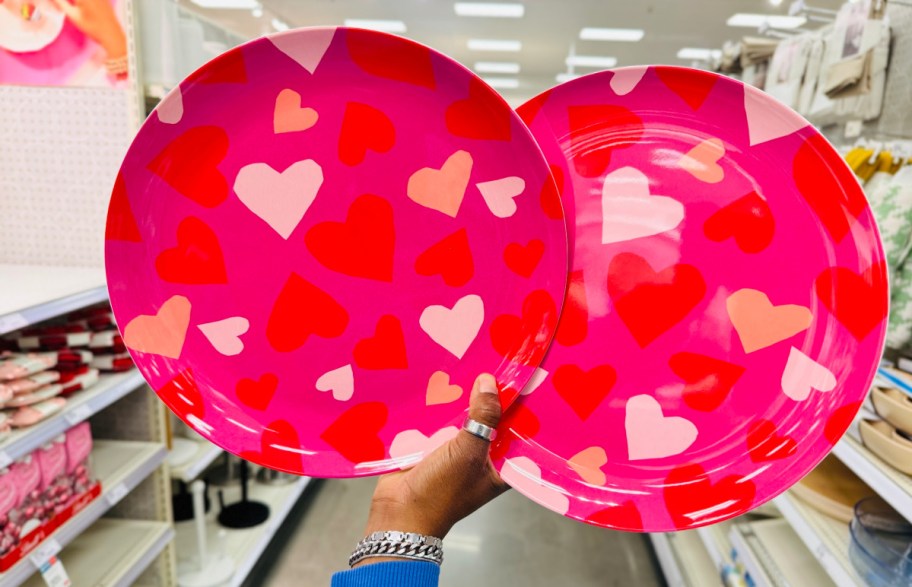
(595, 132)
(182, 396)
(693, 500)
(763, 444)
(451, 258)
(623, 516)
(391, 57)
(364, 127)
(227, 68)
(362, 245)
(518, 422)
(519, 338)
(523, 260)
(197, 258)
(651, 302)
(839, 421)
(257, 393)
(189, 164)
(831, 190)
(300, 310)
(709, 380)
(574, 320)
(552, 192)
(121, 224)
(691, 86)
(354, 434)
(385, 349)
(748, 219)
(482, 116)
(584, 391)
(277, 438)
(529, 110)
(859, 302)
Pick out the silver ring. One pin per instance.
(476, 428)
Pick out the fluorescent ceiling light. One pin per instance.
(776, 21)
(490, 9)
(566, 77)
(228, 4)
(590, 61)
(279, 25)
(496, 67)
(494, 45)
(502, 82)
(598, 34)
(386, 26)
(699, 54)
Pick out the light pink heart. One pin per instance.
(523, 475)
(767, 120)
(629, 211)
(803, 374)
(225, 335)
(307, 50)
(410, 446)
(623, 81)
(499, 195)
(340, 381)
(454, 329)
(652, 435)
(280, 199)
(171, 109)
(162, 334)
(588, 465)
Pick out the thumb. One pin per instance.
(484, 402)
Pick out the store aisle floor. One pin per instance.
(511, 541)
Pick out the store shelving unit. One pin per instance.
(684, 560)
(747, 550)
(40, 292)
(206, 453)
(895, 487)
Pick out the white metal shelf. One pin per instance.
(120, 465)
(34, 293)
(80, 406)
(206, 452)
(787, 557)
(684, 560)
(892, 485)
(112, 553)
(761, 570)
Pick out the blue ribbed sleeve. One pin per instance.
(390, 574)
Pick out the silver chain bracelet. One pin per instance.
(407, 545)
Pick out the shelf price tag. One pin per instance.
(54, 574)
(10, 322)
(116, 494)
(78, 414)
(44, 552)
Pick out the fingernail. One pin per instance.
(487, 385)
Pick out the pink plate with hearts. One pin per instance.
(725, 309)
(320, 238)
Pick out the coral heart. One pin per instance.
(306, 50)
(766, 119)
(691, 86)
(832, 191)
(440, 391)
(692, 499)
(499, 193)
(121, 224)
(340, 381)
(584, 391)
(596, 131)
(257, 393)
(410, 446)
(708, 380)
(189, 164)
(171, 109)
(629, 211)
(763, 444)
(280, 448)
(760, 324)
(227, 68)
(551, 194)
(520, 338)
(197, 258)
(182, 396)
(225, 335)
(538, 377)
(651, 434)
(702, 161)
(588, 465)
(523, 260)
(574, 320)
(391, 57)
(364, 128)
(280, 199)
(624, 516)
(162, 334)
(300, 310)
(442, 189)
(518, 422)
(454, 329)
(748, 219)
(384, 350)
(362, 245)
(649, 302)
(523, 475)
(451, 258)
(479, 116)
(839, 421)
(803, 374)
(859, 302)
(354, 434)
(288, 116)
(623, 81)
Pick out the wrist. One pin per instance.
(395, 516)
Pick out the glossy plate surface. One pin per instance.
(320, 238)
(725, 312)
